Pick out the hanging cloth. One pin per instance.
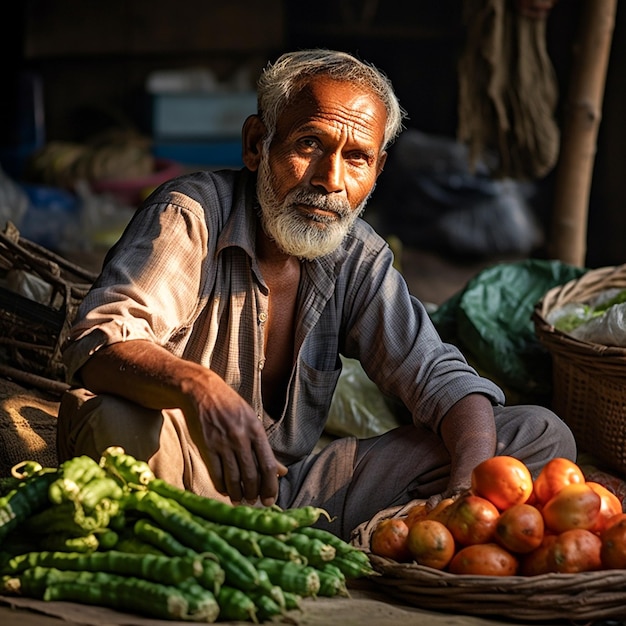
(507, 90)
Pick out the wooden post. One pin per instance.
(583, 112)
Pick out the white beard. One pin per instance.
(303, 236)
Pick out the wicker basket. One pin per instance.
(589, 379)
(33, 330)
(587, 596)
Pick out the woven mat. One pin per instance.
(27, 427)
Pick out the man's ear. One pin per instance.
(381, 164)
(252, 135)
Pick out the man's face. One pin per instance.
(321, 167)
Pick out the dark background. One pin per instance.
(92, 59)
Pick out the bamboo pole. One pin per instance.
(568, 240)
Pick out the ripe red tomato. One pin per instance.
(574, 506)
(556, 474)
(472, 520)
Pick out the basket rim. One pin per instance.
(589, 284)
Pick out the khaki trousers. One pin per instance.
(351, 479)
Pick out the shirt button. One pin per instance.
(261, 363)
(263, 317)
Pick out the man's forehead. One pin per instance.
(322, 99)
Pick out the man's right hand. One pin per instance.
(229, 436)
(232, 442)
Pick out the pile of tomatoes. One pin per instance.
(507, 524)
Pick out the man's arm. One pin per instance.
(226, 430)
(469, 433)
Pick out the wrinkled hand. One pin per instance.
(234, 445)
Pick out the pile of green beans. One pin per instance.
(110, 533)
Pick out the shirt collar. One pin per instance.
(240, 227)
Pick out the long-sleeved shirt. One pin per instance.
(185, 275)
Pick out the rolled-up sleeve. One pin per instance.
(393, 336)
(150, 282)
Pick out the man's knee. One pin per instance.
(88, 424)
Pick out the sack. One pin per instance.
(490, 321)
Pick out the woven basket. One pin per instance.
(589, 379)
(32, 331)
(584, 596)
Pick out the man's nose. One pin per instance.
(329, 173)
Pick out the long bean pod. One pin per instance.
(262, 520)
(167, 513)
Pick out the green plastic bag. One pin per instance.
(490, 321)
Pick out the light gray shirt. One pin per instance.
(185, 276)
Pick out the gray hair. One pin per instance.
(281, 80)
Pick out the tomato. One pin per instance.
(441, 512)
(520, 528)
(613, 550)
(574, 506)
(415, 513)
(503, 480)
(486, 559)
(609, 507)
(389, 539)
(472, 520)
(556, 474)
(576, 550)
(536, 562)
(614, 520)
(431, 543)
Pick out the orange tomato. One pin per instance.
(614, 520)
(487, 559)
(609, 507)
(415, 513)
(536, 562)
(556, 474)
(472, 520)
(431, 543)
(520, 528)
(576, 550)
(503, 480)
(574, 506)
(389, 539)
(613, 550)
(441, 512)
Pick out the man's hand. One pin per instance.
(229, 436)
(233, 443)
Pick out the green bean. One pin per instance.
(276, 548)
(352, 568)
(59, 542)
(28, 498)
(262, 520)
(212, 576)
(240, 538)
(315, 551)
(292, 601)
(235, 605)
(125, 593)
(331, 585)
(266, 607)
(74, 474)
(125, 468)
(164, 569)
(172, 517)
(289, 576)
(306, 515)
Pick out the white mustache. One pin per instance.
(320, 201)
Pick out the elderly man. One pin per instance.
(210, 343)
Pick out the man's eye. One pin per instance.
(359, 158)
(308, 144)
